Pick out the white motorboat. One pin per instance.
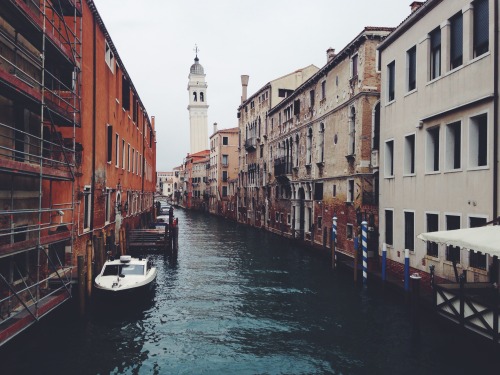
(125, 276)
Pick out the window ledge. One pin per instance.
(431, 258)
(432, 173)
(390, 103)
(478, 270)
(389, 177)
(411, 92)
(482, 168)
(450, 263)
(410, 175)
(453, 170)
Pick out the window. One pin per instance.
(477, 259)
(311, 98)
(125, 93)
(409, 155)
(195, 97)
(452, 252)
(123, 154)
(481, 27)
(202, 98)
(350, 190)
(224, 176)
(351, 146)
(87, 201)
(225, 141)
(456, 41)
(320, 222)
(309, 146)
(109, 57)
(224, 160)
(478, 141)
(133, 160)
(350, 231)
(432, 226)
(410, 230)
(107, 206)
(109, 138)
(389, 159)
(117, 151)
(453, 145)
(411, 63)
(321, 146)
(318, 191)
(128, 158)
(224, 191)
(389, 223)
(432, 149)
(435, 58)
(354, 66)
(323, 90)
(334, 193)
(391, 81)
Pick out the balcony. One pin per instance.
(282, 167)
(251, 144)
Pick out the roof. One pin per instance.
(409, 22)
(197, 68)
(484, 239)
(345, 52)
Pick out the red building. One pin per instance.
(77, 156)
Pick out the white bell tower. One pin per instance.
(197, 107)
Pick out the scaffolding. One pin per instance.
(40, 63)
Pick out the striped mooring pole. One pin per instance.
(364, 226)
(334, 241)
(407, 270)
(384, 261)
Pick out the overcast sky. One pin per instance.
(265, 39)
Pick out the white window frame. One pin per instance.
(450, 144)
(408, 157)
(389, 158)
(473, 149)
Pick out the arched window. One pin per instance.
(201, 97)
(194, 96)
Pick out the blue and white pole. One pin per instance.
(407, 270)
(334, 241)
(384, 261)
(364, 226)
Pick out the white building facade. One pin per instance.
(439, 133)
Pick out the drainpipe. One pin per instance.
(495, 114)
(94, 123)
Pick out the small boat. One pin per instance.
(126, 275)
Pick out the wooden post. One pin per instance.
(89, 268)
(81, 284)
(415, 305)
(334, 241)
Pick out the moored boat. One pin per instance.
(125, 276)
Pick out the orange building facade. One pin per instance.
(77, 159)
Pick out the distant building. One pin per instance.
(223, 167)
(320, 148)
(196, 167)
(254, 128)
(439, 133)
(164, 183)
(178, 184)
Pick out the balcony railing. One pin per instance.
(251, 144)
(282, 167)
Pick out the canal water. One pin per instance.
(239, 300)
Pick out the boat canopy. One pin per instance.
(484, 239)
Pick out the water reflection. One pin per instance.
(240, 300)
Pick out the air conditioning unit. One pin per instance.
(374, 160)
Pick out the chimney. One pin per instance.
(215, 127)
(244, 86)
(415, 5)
(330, 54)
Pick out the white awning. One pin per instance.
(484, 239)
